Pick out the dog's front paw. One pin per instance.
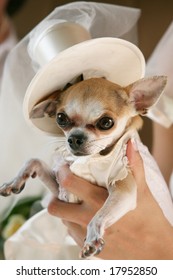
(8, 188)
(92, 248)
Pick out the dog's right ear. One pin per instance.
(46, 107)
(145, 92)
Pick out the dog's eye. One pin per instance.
(62, 120)
(105, 123)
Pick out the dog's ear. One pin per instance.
(46, 107)
(145, 92)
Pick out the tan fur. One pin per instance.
(112, 96)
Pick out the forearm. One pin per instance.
(162, 149)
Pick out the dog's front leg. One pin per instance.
(32, 168)
(121, 199)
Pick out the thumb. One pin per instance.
(136, 163)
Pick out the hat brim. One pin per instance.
(117, 60)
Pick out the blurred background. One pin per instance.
(156, 15)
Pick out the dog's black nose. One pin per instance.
(76, 141)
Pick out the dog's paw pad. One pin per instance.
(87, 251)
(100, 245)
(5, 190)
(4, 193)
(9, 188)
(18, 190)
(93, 248)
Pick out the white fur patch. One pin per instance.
(89, 111)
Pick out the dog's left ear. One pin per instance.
(145, 92)
(47, 107)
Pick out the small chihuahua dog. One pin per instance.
(93, 115)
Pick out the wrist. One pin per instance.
(164, 249)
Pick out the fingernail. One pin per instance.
(134, 144)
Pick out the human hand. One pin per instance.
(143, 233)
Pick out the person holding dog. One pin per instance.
(129, 233)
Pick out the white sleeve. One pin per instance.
(161, 63)
(42, 237)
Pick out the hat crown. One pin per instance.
(57, 38)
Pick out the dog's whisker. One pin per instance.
(102, 138)
(99, 145)
(57, 140)
(97, 141)
(59, 147)
(95, 145)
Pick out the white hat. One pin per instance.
(67, 51)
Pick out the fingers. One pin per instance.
(72, 183)
(68, 211)
(80, 187)
(92, 198)
(76, 231)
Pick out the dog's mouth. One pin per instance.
(87, 152)
(107, 150)
(79, 154)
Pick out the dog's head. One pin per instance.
(94, 113)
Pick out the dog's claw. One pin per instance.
(93, 248)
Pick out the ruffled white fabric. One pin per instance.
(161, 63)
